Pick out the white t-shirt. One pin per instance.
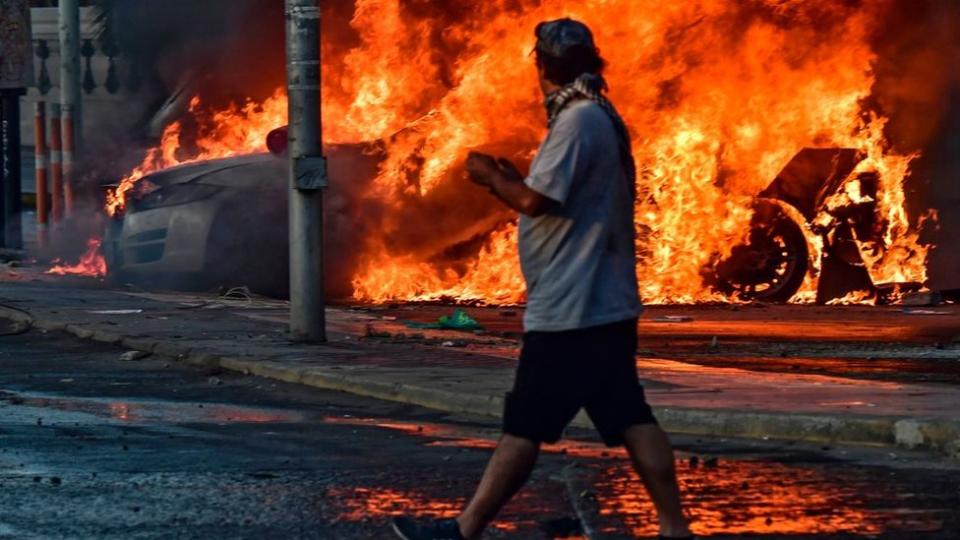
(579, 261)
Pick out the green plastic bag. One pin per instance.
(458, 320)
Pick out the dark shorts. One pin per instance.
(561, 372)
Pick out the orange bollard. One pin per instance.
(40, 157)
(56, 166)
(68, 164)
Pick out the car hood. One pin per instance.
(241, 172)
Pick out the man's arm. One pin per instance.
(505, 181)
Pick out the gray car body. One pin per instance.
(176, 228)
(209, 224)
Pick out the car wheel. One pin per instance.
(771, 265)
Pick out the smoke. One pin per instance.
(916, 48)
(918, 89)
(224, 50)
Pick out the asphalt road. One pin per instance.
(95, 447)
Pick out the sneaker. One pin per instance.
(438, 529)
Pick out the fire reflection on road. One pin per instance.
(730, 496)
(358, 504)
(758, 497)
(363, 503)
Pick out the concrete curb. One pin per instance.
(933, 435)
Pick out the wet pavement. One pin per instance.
(95, 447)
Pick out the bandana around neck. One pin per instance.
(591, 86)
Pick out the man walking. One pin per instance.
(578, 258)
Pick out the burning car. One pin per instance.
(184, 229)
(223, 222)
(216, 223)
(818, 197)
(220, 223)
(720, 94)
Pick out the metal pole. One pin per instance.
(40, 157)
(70, 96)
(56, 167)
(307, 172)
(10, 135)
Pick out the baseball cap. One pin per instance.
(557, 38)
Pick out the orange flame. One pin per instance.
(720, 94)
(234, 131)
(91, 263)
(494, 276)
(854, 297)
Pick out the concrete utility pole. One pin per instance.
(308, 172)
(70, 96)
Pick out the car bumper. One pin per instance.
(168, 240)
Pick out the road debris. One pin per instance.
(673, 319)
(914, 311)
(458, 320)
(133, 356)
(922, 298)
(238, 293)
(203, 304)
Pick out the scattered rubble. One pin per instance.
(922, 298)
(673, 319)
(133, 356)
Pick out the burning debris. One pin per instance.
(91, 263)
(720, 95)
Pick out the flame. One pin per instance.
(720, 94)
(854, 297)
(91, 263)
(898, 256)
(494, 276)
(236, 130)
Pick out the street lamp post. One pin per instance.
(308, 174)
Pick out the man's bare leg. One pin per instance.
(652, 457)
(508, 470)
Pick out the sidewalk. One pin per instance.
(372, 353)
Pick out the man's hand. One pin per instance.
(505, 181)
(482, 168)
(509, 169)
